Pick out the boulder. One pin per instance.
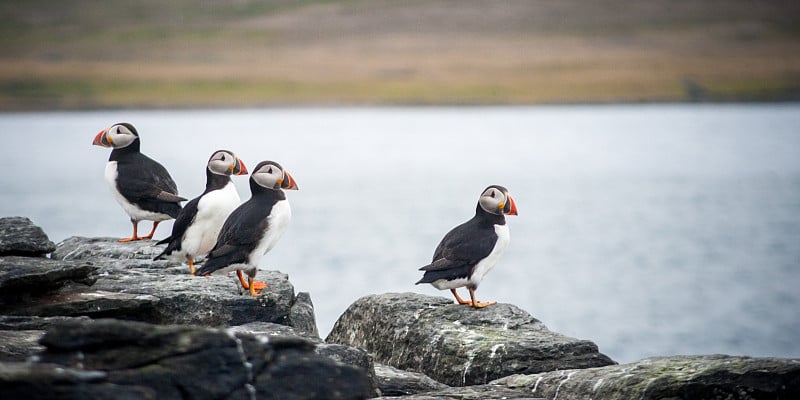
(25, 277)
(179, 361)
(352, 356)
(677, 377)
(19, 336)
(20, 237)
(54, 382)
(396, 382)
(456, 344)
(129, 285)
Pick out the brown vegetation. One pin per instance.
(83, 54)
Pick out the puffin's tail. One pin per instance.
(171, 246)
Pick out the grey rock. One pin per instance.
(477, 392)
(23, 277)
(129, 285)
(346, 355)
(267, 329)
(49, 381)
(301, 315)
(677, 377)
(456, 344)
(19, 345)
(355, 357)
(20, 237)
(396, 382)
(19, 336)
(181, 361)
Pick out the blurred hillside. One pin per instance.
(187, 53)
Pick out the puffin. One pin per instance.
(195, 230)
(142, 186)
(470, 250)
(253, 228)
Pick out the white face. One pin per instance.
(119, 136)
(493, 200)
(222, 163)
(269, 176)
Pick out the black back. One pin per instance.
(463, 247)
(243, 229)
(144, 182)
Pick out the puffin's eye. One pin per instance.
(270, 170)
(119, 130)
(223, 157)
(491, 193)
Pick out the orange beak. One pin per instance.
(101, 139)
(288, 182)
(513, 208)
(240, 168)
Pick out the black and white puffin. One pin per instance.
(469, 251)
(254, 227)
(195, 231)
(141, 185)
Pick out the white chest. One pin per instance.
(212, 210)
(488, 263)
(278, 221)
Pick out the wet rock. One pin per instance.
(396, 382)
(19, 336)
(25, 277)
(181, 361)
(455, 344)
(129, 285)
(352, 356)
(20, 237)
(677, 377)
(478, 392)
(49, 381)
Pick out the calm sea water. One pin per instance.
(649, 229)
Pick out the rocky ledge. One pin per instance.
(99, 319)
(455, 344)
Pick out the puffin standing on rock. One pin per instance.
(195, 230)
(141, 185)
(254, 227)
(469, 251)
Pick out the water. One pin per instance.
(649, 229)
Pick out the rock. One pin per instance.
(19, 336)
(677, 377)
(24, 277)
(352, 356)
(478, 392)
(267, 329)
(301, 315)
(48, 381)
(20, 237)
(396, 382)
(181, 361)
(19, 345)
(455, 344)
(129, 285)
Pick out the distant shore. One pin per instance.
(68, 56)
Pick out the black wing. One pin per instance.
(241, 232)
(459, 251)
(147, 183)
(185, 218)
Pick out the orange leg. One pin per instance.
(191, 265)
(134, 237)
(459, 299)
(476, 303)
(150, 235)
(250, 284)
